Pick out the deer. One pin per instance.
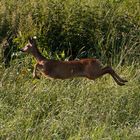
(90, 68)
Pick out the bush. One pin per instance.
(108, 30)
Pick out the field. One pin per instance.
(72, 109)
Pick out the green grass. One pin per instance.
(73, 109)
(68, 109)
(81, 28)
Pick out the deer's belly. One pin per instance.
(64, 74)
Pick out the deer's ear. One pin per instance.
(30, 39)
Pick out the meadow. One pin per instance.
(72, 109)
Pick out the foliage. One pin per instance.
(72, 109)
(79, 28)
(68, 109)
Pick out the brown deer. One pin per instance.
(89, 68)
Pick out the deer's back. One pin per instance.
(67, 69)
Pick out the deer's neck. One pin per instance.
(38, 56)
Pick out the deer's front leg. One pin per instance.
(35, 71)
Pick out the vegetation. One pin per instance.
(75, 28)
(79, 108)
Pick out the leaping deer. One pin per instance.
(89, 68)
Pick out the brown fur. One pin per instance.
(90, 68)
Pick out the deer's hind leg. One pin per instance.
(100, 71)
(116, 77)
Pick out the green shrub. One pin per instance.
(108, 30)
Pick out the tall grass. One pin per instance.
(70, 109)
(79, 28)
(79, 108)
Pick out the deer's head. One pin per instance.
(30, 47)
